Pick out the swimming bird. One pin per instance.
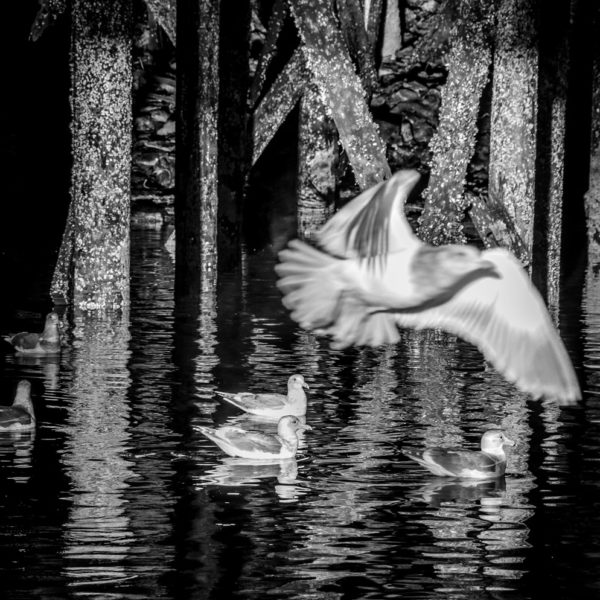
(488, 463)
(38, 344)
(255, 444)
(373, 275)
(19, 416)
(272, 405)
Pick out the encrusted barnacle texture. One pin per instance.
(318, 159)
(164, 11)
(592, 197)
(340, 89)
(452, 145)
(97, 236)
(514, 113)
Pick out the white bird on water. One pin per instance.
(236, 441)
(374, 275)
(272, 405)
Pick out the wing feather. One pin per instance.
(372, 224)
(507, 320)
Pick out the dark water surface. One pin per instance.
(118, 496)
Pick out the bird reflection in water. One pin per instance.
(236, 472)
(478, 530)
(16, 449)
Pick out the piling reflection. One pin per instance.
(96, 535)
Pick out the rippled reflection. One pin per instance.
(115, 495)
(97, 536)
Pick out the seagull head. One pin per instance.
(460, 260)
(494, 440)
(289, 426)
(297, 382)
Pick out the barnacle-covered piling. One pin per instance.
(514, 113)
(592, 197)
(197, 99)
(93, 265)
(318, 157)
(452, 145)
(277, 103)
(340, 89)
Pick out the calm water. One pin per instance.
(117, 496)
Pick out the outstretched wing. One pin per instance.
(372, 224)
(507, 320)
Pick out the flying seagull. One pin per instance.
(373, 275)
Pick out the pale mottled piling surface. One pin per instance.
(452, 145)
(93, 263)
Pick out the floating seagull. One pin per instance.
(272, 405)
(19, 416)
(489, 463)
(255, 444)
(374, 275)
(36, 344)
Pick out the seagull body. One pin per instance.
(272, 406)
(489, 463)
(255, 444)
(374, 275)
(38, 344)
(19, 416)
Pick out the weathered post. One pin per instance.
(196, 150)
(514, 115)
(550, 150)
(340, 89)
(93, 264)
(233, 123)
(592, 197)
(318, 157)
(452, 145)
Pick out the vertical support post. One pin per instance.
(453, 143)
(550, 151)
(93, 265)
(318, 156)
(592, 197)
(196, 149)
(514, 114)
(233, 124)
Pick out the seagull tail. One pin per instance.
(231, 398)
(314, 290)
(311, 284)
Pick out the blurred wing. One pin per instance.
(372, 224)
(507, 320)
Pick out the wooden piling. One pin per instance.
(93, 265)
(340, 90)
(318, 158)
(196, 150)
(453, 143)
(233, 159)
(514, 114)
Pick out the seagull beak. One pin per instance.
(305, 427)
(305, 385)
(507, 442)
